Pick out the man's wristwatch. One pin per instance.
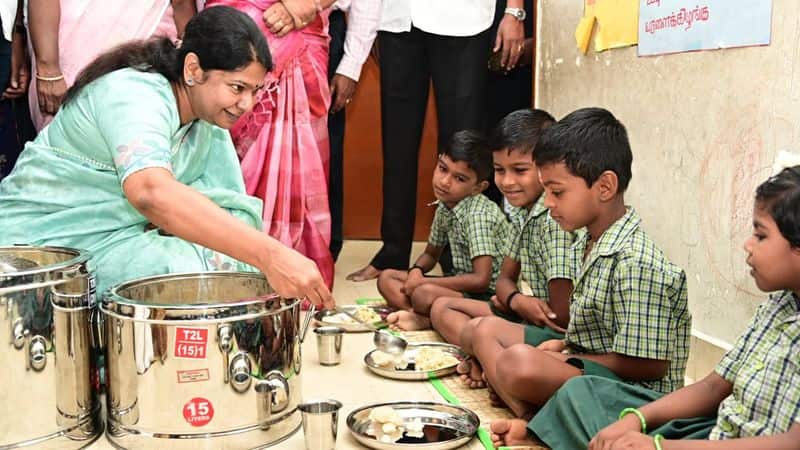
(517, 13)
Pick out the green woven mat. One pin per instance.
(483, 434)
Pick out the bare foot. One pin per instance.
(495, 399)
(511, 432)
(365, 273)
(407, 321)
(471, 374)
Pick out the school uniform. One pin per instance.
(474, 227)
(543, 250)
(762, 366)
(629, 299)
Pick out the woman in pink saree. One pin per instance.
(68, 34)
(283, 141)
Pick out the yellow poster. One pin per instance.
(617, 24)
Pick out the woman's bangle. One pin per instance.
(416, 266)
(56, 78)
(638, 414)
(511, 297)
(657, 441)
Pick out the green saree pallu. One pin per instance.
(66, 189)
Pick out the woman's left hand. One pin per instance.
(302, 11)
(278, 19)
(510, 39)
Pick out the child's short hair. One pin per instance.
(520, 130)
(780, 196)
(588, 141)
(470, 146)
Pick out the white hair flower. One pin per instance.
(784, 160)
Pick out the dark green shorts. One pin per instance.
(585, 405)
(482, 296)
(535, 335)
(593, 368)
(509, 316)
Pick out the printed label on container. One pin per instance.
(191, 342)
(92, 291)
(193, 376)
(198, 412)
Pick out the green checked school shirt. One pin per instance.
(541, 246)
(629, 299)
(474, 227)
(764, 367)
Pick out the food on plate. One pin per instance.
(361, 313)
(383, 359)
(432, 358)
(386, 424)
(365, 314)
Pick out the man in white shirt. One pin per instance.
(447, 42)
(350, 45)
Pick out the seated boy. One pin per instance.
(474, 227)
(536, 248)
(750, 401)
(628, 311)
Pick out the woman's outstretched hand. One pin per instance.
(293, 275)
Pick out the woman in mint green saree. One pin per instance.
(138, 168)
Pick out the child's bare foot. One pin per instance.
(495, 399)
(518, 407)
(471, 374)
(365, 273)
(510, 432)
(407, 321)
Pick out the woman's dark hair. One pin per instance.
(221, 37)
(780, 197)
(471, 147)
(588, 141)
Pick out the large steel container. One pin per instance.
(206, 360)
(48, 395)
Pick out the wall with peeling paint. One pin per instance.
(705, 128)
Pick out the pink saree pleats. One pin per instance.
(283, 142)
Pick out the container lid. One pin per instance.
(190, 297)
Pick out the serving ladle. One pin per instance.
(383, 340)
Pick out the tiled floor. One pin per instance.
(350, 383)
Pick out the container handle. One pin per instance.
(307, 322)
(67, 276)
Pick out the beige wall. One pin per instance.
(705, 127)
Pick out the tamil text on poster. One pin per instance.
(672, 26)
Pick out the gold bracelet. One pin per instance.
(57, 78)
